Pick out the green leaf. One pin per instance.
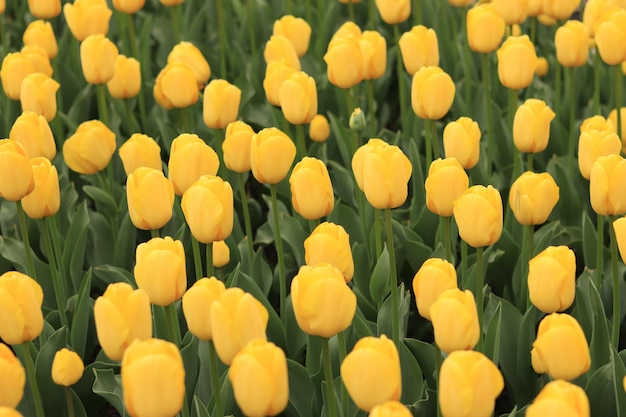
(590, 242)
(599, 385)
(425, 355)
(379, 280)
(412, 378)
(79, 409)
(426, 407)
(296, 342)
(104, 202)
(384, 318)
(619, 371)
(108, 274)
(80, 319)
(124, 255)
(109, 386)
(52, 395)
(74, 247)
(491, 347)
(600, 341)
(300, 389)
(515, 358)
(189, 352)
(200, 408)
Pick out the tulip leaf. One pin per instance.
(597, 389)
(360, 279)
(361, 325)
(571, 195)
(262, 273)
(109, 386)
(412, 378)
(515, 358)
(599, 344)
(105, 204)
(74, 247)
(415, 251)
(384, 318)
(124, 254)
(425, 407)
(201, 410)
(189, 353)
(491, 345)
(79, 409)
(343, 182)
(379, 280)
(590, 242)
(80, 319)
(418, 199)
(52, 395)
(300, 389)
(345, 216)
(342, 139)
(100, 244)
(619, 371)
(296, 342)
(550, 234)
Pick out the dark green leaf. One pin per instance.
(109, 386)
(80, 319)
(379, 280)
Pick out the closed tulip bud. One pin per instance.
(611, 38)
(311, 190)
(12, 378)
(613, 118)
(607, 187)
(38, 95)
(296, 29)
(531, 126)
(560, 398)
(271, 155)
(221, 104)
(597, 139)
(361, 154)
(344, 61)
(461, 140)
(160, 270)
(259, 378)
(455, 320)
(390, 409)
(236, 319)
(446, 181)
(542, 67)
(208, 226)
(432, 93)
(517, 61)
(357, 122)
(236, 146)
(329, 243)
(38, 57)
(15, 67)
(278, 48)
(532, 197)
(469, 384)
(560, 9)
(619, 226)
(16, 172)
(419, 48)
(150, 198)
(21, 298)
(552, 279)
(322, 302)
(122, 315)
(433, 278)
(297, 96)
(97, 57)
(40, 33)
(513, 12)
(374, 51)
(560, 349)
(140, 151)
(319, 129)
(221, 253)
(197, 303)
(371, 372)
(90, 148)
(87, 17)
(275, 74)
(394, 12)
(128, 6)
(33, 132)
(153, 379)
(67, 367)
(596, 12)
(190, 158)
(485, 28)
(572, 44)
(188, 53)
(45, 199)
(176, 86)
(44, 9)
(478, 214)
(126, 81)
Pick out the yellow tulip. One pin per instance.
(619, 226)
(176, 86)
(517, 61)
(40, 33)
(140, 151)
(275, 74)
(221, 253)
(97, 57)
(613, 118)
(390, 409)
(90, 148)
(374, 52)
(329, 243)
(9, 412)
(15, 67)
(45, 199)
(461, 140)
(87, 17)
(596, 12)
(150, 198)
(44, 9)
(236, 146)
(446, 181)
(485, 28)
(126, 81)
(297, 96)
(38, 95)
(607, 188)
(361, 154)
(532, 197)
(319, 129)
(552, 279)
(455, 320)
(16, 173)
(419, 48)
(311, 190)
(128, 6)
(611, 38)
(432, 93)
(38, 57)
(344, 61)
(190, 158)
(12, 378)
(542, 67)
(560, 9)
(208, 226)
(171, 3)
(21, 318)
(394, 11)
(572, 44)
(433, 278)
(478, 215)
(220, 104)
(197, 303)
(67, 367)
(33, 132)
(188, 53)
(560, 398)
(271, 155)
(596, 140)
(531, 126)
(296, 29)
(280, 47)
(535, 8)
(513, 12)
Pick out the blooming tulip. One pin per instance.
(432, 93)
(374, 52)
(469, 384)
(560, 398)
(176, 86)
(187, 53)
(572, 44)
(311, 190)
(485, 28)
(461, 140)
(542, 67)
(275, 74)
(21, 318)
(329, 243)
(319, 129)
(446, 181)
(67, 367)
(190, 158)
(560, 348)
(611, 38)
(197, 303)
(97, 57)
(38, 57)
(390, 409)
(45, 199)
(221, 253)
(433, 278)
(12, 378)
(296, 29)
(552, 279)
(345, 62)
(38, 95)
(478, 214)
(371, 372)
(394, 11)
(150, 198)
(128, 6)
(33, 132)
(297, 96)
(44, 9)
(90, 148)
(140, 151)
(361, 154)
(236, 146)
(220, 104)
(348, 29)
(15, 67)
(40, 33)
(236, 319)
(126, 81)
(153, 379)
(122, 315)
(532, 197)
(607, 188)
(279, 47)
(517, 61)
(259, 378)
(513, 12)
(16, 172)
(9, 412)
(160, 270)
(419, 48)
(560, 9)
(455, 320)
(596, 141)
(596, 12)
(271, 155)
(613, 118)
(619, 226)
(208, 226)
(87, 17)
(531, 126)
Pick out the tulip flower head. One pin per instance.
(432, 93)
(44, 9)
(12, 378)
(140, 151)
(90, 148)
(87, 17)
(188, 53)
(560, 9)
(38, 95)
(67, 367)
(433, 278)
(344, 60)
(374, 52)
(297, 96)
(311, 190)
(572, 44)
(128, 6)
(150, 197)
(390, 409)
(329, 243)
(236, 146)
(478, 215)
(126, 81)
(485, 28)
(513, 12)
(296, 30)
(455, 320)
(220, 104)
(33, 132)
(271, 154)
(197, 303)
(97, 57)
(552, 279)
(561, 398)
(176, 86)
(190, 158)
(533, 197)
(280, 47)
(419, 48)
(40, 33)
(446, 181)
(517, 61)
(461, 140)
(16, 172)
(319, 129)
(45, 199)
(394, 12)
(21, 298)
(531, 126)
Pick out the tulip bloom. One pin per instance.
(560, 9)
(611, 38)
(596, 12)
(221, 253)
(607, 188)
(433, 278)
(220, 104)
(150, 198)
(478, 214)
(296, 29)
(38, 57)
(432, 93)
(455, 320)
(40, 33)
(97, 57)
(619, 226)
(560, 398)
(90, 148)
(329, 243)
(560, 349)
(419, 48)
(613, 118)
(38, 95)
(176, 86)
(374, 52)
(572, 44)
(128, 6)
(87, 17)
(394, 11)
(122, 315)
(319, 129)
(187, 53)
(531, 126)
(33, 132)
(190, 158)
(140, 151)
(197, 303)
(390, 409)
(15, 67)
(271, 155)
(513, 12)
(21, 298)
(517, 61)
(279, 48)
(275, 74)
(552, 279)
(542, 67)
(208, 226)
(126, 81)
(461, 140)
(45, 199)
(596, 140)
(236, 146)
(311, 190)
(446, 181)
(532, 197)
(469, 384)
(153, 379)
(67, 367)
(485, 28)
(345, 62)
(16, 172)
(297, 96)
(371, 372)
(12, 378)
(236, 319)
(44, 9)
(160, 270)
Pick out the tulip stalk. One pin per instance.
(56, 280)
(596, 82)
(197, 260)
(24, 350)
(393, 279)
(527, 253)
(464, 256)
(246, 218)
(215, 380)
(371, 21)
(21, 218)
(401, 92)
(433, 137)
(378, 242)
(222, 35)
(351, 10)
(618, 98)
(513, 96)
(489, 131)
(417, 11)
(467, 63)
(251, 27)
(70, 402)
(572, 115)
(102, 104)
(345, 404)
(529, 161)
(429, 152)
(600, 252)
(3, 36)
(300, 142)
(328, 373)
(616, 292)
(370, 107)
(141, 100)
(480, 279)
(210, 268)
(176, 17)
(281, 260)
(447, 238)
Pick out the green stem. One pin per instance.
(371, 18)
(215, 380)
(21, 217)
(32, 378)
(56, 280)
(429, 145)
(527, 254)
(210, 269)
(328, 373)
(300, 142)
(467, 63)
(400, 71)
(447, 238)
(370, 108)
(289, 7)
(184, 120)
(351, 10)
(350, 108)
(437, 373)
(378, 241)
(434, 138)
(132, 127)
(246, 218)
(197, 260)
(618, 98)
(480, 278)
(3, 36)
(102, 104)
(572, 115)
(282, 279)
(176, 17)
(154, 233)
(529, 160)
(557, 88)
(70, 402)
(517, 168)
(222, 37)
(393, 279)
(600, 252)
(141, 99)
(119, 18)
(616, 291)
(596, 82)
(251, 27)
(132, 34)
(417, 12)
(345, 400)
(464, 256)
(172, 324)
(533, 29)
